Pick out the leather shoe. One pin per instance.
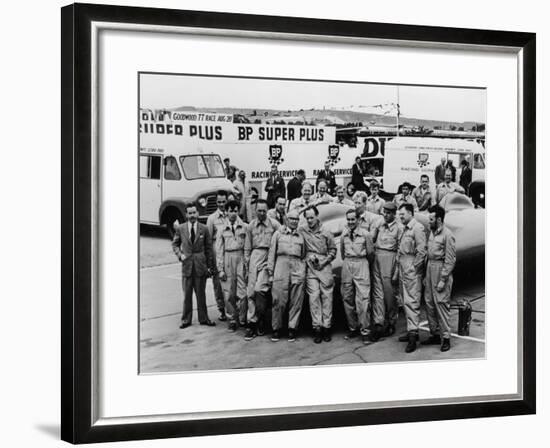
(327, 336)
(184, 325)
(411, 346)
(376, 333)
(222, 317)
(405, 338)
(291, 335)
(434, 339)
(250, 332)
(317, 336)
(351, 334)
(446, 346)
(208, 323)
(389, 331)
(260, 328)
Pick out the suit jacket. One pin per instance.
(465, 178)
(357, 178)
(274, 187)
(294, 189)
(329, 178)
(197, 255)
(439, 174)
(272, 213)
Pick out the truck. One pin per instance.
(173, 173)
(407, 158)
(394, 160)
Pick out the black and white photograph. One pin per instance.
(300, 223)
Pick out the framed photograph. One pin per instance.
(278, 223)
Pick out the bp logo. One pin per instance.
(275, 153)
(423, 160)
(333, 154)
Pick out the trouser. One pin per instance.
(257, 307)
(258, 285)
(384, 293)
(411, 286)
(288, 289)
(218, 291)
(319, 287)
(355, 291)
(197, 284)
(438, 304)
(234, 287)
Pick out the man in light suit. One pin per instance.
(193, 247)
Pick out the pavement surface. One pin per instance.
(166, 348)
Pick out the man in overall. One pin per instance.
(411, 254)
(214, 221)
(322, 196)
(287, 269)
(303, 201)
(320, 251)
(279, 212)
(230, 170)
(384, 293)
(446, 187)
(256, 249)
(193, 247)
(356, 248)
(405, 197)
(374, 201)
(231, 265)
(366, 220)
(341, 197)
(423, 194)
(439, 279)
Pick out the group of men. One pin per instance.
(388, 260)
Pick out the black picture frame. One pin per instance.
(77, 424)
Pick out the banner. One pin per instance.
(220, 128)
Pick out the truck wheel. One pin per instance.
(169, 218)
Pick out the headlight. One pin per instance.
(202, 202)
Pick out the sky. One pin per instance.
(158, 91)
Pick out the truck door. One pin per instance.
(478, 168)
(457, 158)
(150, 194)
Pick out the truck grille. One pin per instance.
(211, 205)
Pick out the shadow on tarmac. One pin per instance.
(158, 232)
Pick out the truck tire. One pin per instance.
(477, 193)
(170, 216)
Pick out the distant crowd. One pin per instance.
(299, 193)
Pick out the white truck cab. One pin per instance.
(171, 176)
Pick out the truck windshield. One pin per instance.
(199, 166)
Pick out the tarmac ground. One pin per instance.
(164, 347)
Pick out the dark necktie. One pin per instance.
(233, 229)
(192, 233)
